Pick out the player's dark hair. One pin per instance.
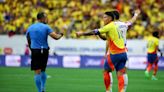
(155, 34)
(110, 14)
(41, 15)
(116, 14)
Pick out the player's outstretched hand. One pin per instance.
(137, 11)
(78, 34)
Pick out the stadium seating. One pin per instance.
(69, 16)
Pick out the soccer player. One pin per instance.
(123, 27)
(116, 55)
(37, 35)
(152, 48)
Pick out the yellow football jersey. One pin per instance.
(152, 45)
(114, 37)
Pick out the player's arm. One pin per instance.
(94, 32)
(103, 37)
(56, 36)
(106, 49)
(107, 45)
(88, 33)
(133, 19)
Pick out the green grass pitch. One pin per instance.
(74, 80)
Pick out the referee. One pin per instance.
(37, 35)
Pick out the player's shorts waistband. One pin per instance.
(152, 53)
(117, 53)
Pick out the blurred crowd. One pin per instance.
(69, 16)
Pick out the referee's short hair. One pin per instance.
(41, 15)
(110, 14)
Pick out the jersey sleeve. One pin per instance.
(128, 23)
(104, 29)
(49, 29)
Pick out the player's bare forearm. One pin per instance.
(137, 12)
(88, 33)
(85, 33)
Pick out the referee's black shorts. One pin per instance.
(39, 59)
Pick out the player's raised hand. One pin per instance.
(138, 11)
